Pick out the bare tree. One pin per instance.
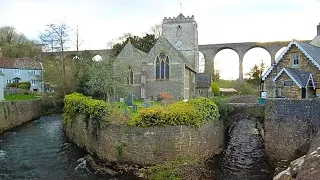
(157, 30)
(54, 39)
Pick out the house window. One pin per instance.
(9, 81)
(162, 66)
(288, 83)
(33, 72)
(33, 82)
(1, 71)
(295, 59)
(16, 72)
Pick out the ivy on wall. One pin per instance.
(77, 103)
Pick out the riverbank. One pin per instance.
(16, 113)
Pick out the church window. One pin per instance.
(162, 66)
(130, 76)
(179, 31)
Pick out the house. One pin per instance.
(170, 66)
(17, 70)
(203, 85)
(296, 72)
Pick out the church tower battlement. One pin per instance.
(182, 33)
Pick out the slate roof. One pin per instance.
(203, 80)
(309, 50)
(300, 78)
(187, 63)
(19, 63)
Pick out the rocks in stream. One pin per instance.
(245, 157)
(292, 171)
(3, 156)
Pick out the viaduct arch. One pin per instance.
(209, 52)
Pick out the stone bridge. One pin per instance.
(72, 54)
(209, 52)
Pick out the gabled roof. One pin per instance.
(300, 78)
(20, 63)
(129, 45)
(203, 80)
(309, 50)
(187, 63)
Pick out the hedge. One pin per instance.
(195, 112)
(77, 103)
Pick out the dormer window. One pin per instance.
(295, 59)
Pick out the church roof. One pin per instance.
(309, 50)
(203, 80)
(187, 63)
(129, 45)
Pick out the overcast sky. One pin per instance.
(219, 21)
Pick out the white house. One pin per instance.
(17, 70)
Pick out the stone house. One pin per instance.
(296, 72)
(170, 66)
(17, 70)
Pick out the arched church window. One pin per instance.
(130, 76)
(162, 66)
(179, 31)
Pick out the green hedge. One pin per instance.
(77, 103)
(208, 109)
(194, 112)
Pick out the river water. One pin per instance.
(40, 150)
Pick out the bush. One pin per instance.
(206, 107)
(194, 113)
(224, 107)
(179, 113)
(77, 103)
(24, 85)
(215, 88)
(165, 98)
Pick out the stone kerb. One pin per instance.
(147, 145)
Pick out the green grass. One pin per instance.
(17, 97)
(227, 83)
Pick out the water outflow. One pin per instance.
(40, 150)
(245, 157)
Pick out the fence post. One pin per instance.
(1, 87)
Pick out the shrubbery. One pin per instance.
(215, 88)
(206, 107)
(77, 103)
(224, 107)
(195, 113)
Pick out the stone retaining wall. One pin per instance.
(15, 113)
(146, 145)
(288, 128)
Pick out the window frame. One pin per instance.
(162, 64)
(295, 59)
(17, 72)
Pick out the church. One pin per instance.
(171, 66)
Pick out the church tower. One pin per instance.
(182, 33)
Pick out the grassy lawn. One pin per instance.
(227, 83)
(14, 97)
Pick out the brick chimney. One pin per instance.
(318, 30)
